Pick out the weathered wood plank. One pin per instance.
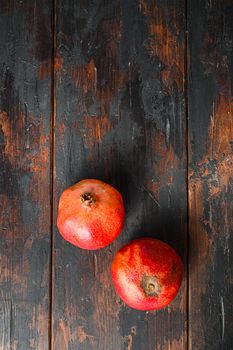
(120, 118)
(211, 174)
(25, 60)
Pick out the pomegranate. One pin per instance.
(147, 274)
(90, 214)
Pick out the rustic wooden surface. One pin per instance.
(211, 174)
(25, 112)
(137, 93)
(120, 117)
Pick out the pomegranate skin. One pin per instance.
(90, 214)
(147, 274)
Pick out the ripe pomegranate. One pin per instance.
(147, 274)
(90, 214)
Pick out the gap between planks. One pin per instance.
(52, 166)
(186, 85)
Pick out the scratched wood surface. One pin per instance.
(120, 117)
(112, 90)
(25, 62)
(211, 174)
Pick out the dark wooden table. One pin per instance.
(137, 93)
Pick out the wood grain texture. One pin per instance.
(211, 174)
(25, 60)
(120, 117)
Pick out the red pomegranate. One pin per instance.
(147, 274)
(90, 214)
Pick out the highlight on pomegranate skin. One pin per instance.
(90, 214)
(147, 274)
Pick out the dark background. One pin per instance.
(137, 93)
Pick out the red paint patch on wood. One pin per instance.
(169, 164)
(28, 152)
(95, 128)
(60, 129)
(6, 129)
(83, 336)
(200, 252)
(85, 77)
(219, 148)
(102, 76)
(58, 63)
(175, 344)
(65, 336)
(44, 70)
(29, 137)
(129, 340)
(164, 43)
(221, 128)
